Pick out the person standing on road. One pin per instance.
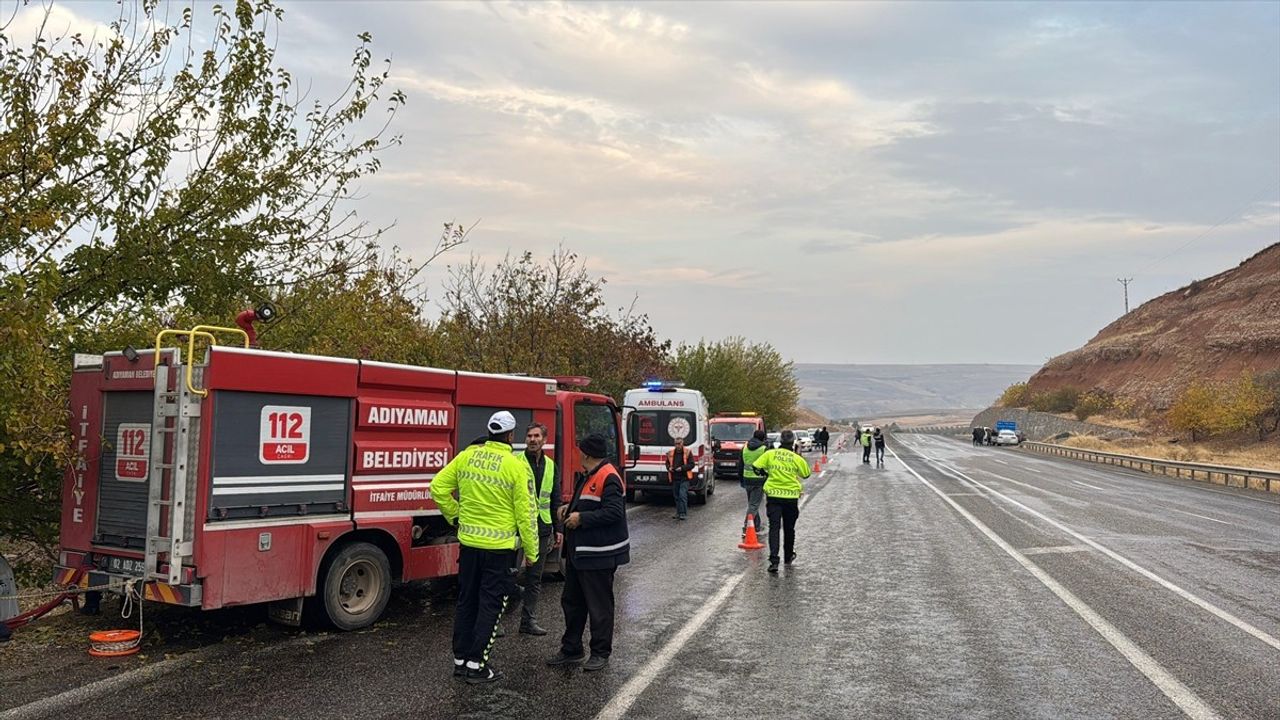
(977, 436)
(550, 534)
(494, 514)
(824, 437)
(680, 465)
(865, 439)
(595, 544)
(878, 439)
(753, 479)
(783, 469)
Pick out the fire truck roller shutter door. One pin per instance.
(122, 498)
(473, 420)
(278, 452)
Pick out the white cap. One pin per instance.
(502, 421)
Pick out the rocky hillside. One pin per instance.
(1211, 329)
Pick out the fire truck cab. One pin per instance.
(227, 475)
(730, 432)
(655, 415)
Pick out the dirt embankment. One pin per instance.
(1212, 329)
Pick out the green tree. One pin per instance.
(1196, 411)
(1015, 396)
(1093, 402)
(736, 374)
(1244, 403)
(166, 167)
(545, 318)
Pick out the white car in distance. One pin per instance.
(1006, 437)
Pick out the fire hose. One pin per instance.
(61, 596)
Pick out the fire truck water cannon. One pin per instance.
(264, 313)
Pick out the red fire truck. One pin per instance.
(227, 475)
(730, 432)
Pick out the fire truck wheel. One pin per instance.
(357, 586)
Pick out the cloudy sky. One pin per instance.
(855, 182)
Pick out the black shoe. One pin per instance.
(562, 659)
(682, 517)
(791, 557)
(484, 674)
(595, 663)
(773, 566)
(675, 517)
(459, 668)
(532, 628)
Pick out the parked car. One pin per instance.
(1006, 437)
(774, 439)
(804, 441)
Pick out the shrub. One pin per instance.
(1014, 396)
(1196, 410)
(1056, 401)
(1093, 402)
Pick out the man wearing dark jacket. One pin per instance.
(547, 486)
(823, 437)
(595, 544)
(753, 479)
(680, 465)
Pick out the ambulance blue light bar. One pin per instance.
(662, 385)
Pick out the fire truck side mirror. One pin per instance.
(633, 455)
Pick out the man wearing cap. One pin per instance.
(495, 515)
(595, 544)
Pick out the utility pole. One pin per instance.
(1125, 282)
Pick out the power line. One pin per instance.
(1215, 226)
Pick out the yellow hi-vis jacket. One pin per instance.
(785, 469)
(495, 508)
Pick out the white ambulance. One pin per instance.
(655, 415)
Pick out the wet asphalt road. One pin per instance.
(899, 605)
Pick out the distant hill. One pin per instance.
(844, 391)
(1211, 329)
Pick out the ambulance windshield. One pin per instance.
(661, 427)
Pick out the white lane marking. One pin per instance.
(1180, 694)
(1202, 517)
(1002, 462)
(1054, 549)
(655, 666)
(1095, 487)
(1180, 592)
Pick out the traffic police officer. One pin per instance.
(753, 479)
(783, 468)
(495, 515)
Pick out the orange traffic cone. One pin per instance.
(817, 467)
(824, 459)
(751, 542)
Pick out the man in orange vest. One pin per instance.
(596, 543)
(680, 465)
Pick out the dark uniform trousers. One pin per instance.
(531, 578)
(782, 516)
(587, 594)
(486, 579)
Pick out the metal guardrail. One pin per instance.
(1231, 476)
(935, 429)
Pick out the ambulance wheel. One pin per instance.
(357, 585)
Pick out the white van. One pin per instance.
(655, 415)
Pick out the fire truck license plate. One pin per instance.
(125, 565)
